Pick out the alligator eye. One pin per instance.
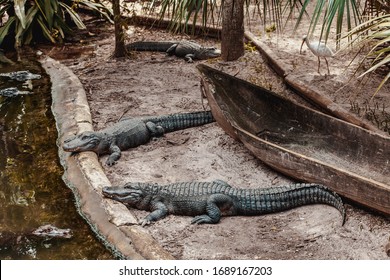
(69, 139)
(131, 186)
(84, 137)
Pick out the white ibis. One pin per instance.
(319, 49)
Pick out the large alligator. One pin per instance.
(131, 133)
(20, 76)
(187, 49)
(9, 240)
(208, 201)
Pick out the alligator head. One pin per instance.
(131, 194)
(21, 76)
(209, 52)
(12, 92)
(86, 141)
(51, 231)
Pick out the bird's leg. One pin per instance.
(319, 62)
(327, 65)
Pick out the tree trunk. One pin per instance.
(232, 45)
(120, 50)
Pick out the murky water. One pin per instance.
(32, 192)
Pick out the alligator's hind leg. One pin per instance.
(215, 203)
(171, 50)
(155, 130)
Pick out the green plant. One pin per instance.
(180, 12)
(330, 14)
(376, 33)
(31, 19)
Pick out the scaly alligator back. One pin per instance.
(161, 46)
(187, 49)
(219, 198)
(131, 133)
(181, 121)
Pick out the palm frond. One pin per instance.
(75, 17)
(98, 7)
(4, 30)
(20, 11)
(328, 13)
(375, 32)
(31, 13)
(47, 17)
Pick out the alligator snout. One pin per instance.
(68, 146)
(86, 141)
(52, 231)
(125, 195)
(115, 192)
(106, 191)
(215, 52)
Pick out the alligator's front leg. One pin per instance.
(159, 211)
(189, 58)
(115, 154)
(214, 203)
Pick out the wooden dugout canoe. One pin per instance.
(300, 142)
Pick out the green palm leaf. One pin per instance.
(20, 11)
(4, 30)
(46, 32)
(49, 8)
(100, 8)
(31, 13)
(75, 17)
(376, 32)
(329, 12)
(47, 17)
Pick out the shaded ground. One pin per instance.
(151, 83)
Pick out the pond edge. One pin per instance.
(84, 175)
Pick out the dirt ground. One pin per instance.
(152, 84)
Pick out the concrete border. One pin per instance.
(84, 175)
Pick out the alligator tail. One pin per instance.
(287, 197)
(183, 120)
(162, 46)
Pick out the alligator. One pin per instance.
(12, 92)
(133, 132)
(8, 240)
(187, 49)
(208, 201)
(20, 76)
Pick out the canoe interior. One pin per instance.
(301, 130)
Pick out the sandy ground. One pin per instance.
(151, 84)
